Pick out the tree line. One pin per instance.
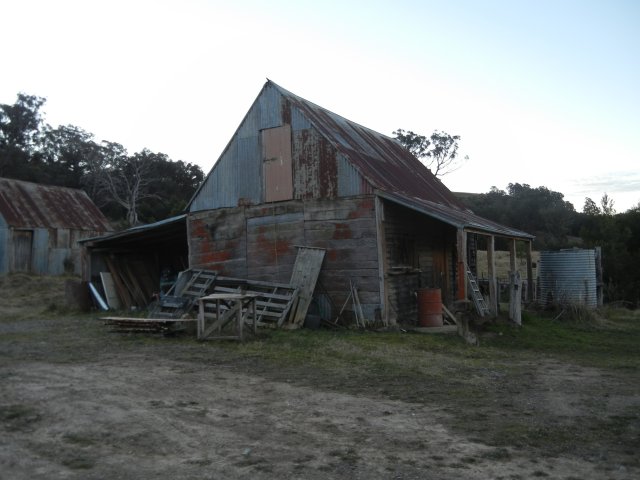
(556, 225)
(146, 186)
(546, 214)
(129, 188)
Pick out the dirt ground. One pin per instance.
(78, 402)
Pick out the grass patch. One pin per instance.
(16, 418)
(610, 342)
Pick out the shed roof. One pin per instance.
(32, 205)
(392, 171)
(464, 219)
(382, 160)
(169, 229)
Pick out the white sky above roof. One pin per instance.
(541, 92)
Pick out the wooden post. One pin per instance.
(491, 271)
(382, 261)
(515, 297)
(512, 255)
(461, 275)
(599, 277)
(530, 278)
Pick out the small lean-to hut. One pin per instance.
(40, 226)
(297, 174)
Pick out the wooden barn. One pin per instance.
(40, 226)
(295, 174)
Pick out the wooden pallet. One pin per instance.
(273, 300)
(183, 296)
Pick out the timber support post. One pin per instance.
(491, 270)
(461, 274)
(530, 279)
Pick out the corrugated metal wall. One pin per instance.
(568, 277)
(318, 171)
(41, 251)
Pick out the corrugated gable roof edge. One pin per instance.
(195, 194)
(340, 148)
(378, 140)
(287, 93)
(459, 219)
(27, 204)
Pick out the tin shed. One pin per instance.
(296, 174)
(40, 226)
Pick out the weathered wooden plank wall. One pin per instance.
(217, 241)
(272, 236)
(259, 243)
(346, 228)
(418, 256)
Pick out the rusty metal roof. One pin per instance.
(31, 205)
(382, 160)
(393, 171)
(460, 219)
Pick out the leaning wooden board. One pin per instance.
(304, 277)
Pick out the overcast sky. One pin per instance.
(542, 92)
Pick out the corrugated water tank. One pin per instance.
(568, 277)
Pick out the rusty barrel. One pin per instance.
(429, 307)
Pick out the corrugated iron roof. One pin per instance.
(139, 231)
(382, 160)
(393, 171)
(457, 218)
(32, 205)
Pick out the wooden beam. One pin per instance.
(512, 255)
(530, 278)
(491, 270)
(382, 260)
(461, 275)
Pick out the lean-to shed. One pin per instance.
(40, 226)
(295, 174)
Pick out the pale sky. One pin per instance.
(542, 92)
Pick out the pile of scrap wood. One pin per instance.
(274, 302)
(133, 282)
(277, 304)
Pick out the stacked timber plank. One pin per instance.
(145, 325)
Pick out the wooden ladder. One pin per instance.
(478, 299)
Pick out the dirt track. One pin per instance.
(77, 402)
(150, 417)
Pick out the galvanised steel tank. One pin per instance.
(568, 277)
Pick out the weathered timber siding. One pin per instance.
(419, 255)
(218, 241)
(272, 235)
(346, 228)
(259, 243)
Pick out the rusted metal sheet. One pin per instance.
(41, 224)
(454, 217)
(31, 205)
(378, 158)
(332, 157)
(22, 249)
